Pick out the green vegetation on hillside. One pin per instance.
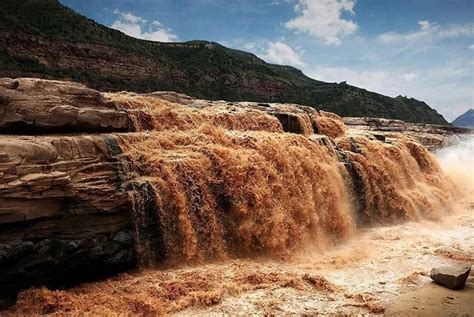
(219, 73)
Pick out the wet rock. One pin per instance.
(453, 277)
(380, 137)
(9, 83)
(291, 122)
(124, 238)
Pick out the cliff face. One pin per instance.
(45, 39)
(93, 183)
(63, 216)
(63, 213)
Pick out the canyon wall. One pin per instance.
(94, 183)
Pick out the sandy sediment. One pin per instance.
(435, 300)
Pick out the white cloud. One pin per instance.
(471, 47)
(138, 27)
(279, 2)
(323, 19)
(280, 53)
(424, 25)
(409, 76)
(453, 31)
(428, 32)
(276, 52)
(129, 17)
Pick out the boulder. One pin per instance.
(453, 277)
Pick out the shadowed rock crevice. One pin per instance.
(147, 225)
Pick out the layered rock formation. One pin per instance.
(63, 213)
(92, 183)
(33, 106)
(432, 136)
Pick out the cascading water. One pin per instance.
(221, 193)
(221, 181)
(396, 182)
(458, 162)
(216, 181)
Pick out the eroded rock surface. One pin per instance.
(432, 136)
(63, 213)
(33, 106)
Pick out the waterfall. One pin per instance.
(217, 180)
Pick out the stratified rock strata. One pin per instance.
(33, 106)
(432, 136)
(63, 213)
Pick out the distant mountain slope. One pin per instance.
(43, 38)
(465, 120)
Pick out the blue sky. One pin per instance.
(418, 48)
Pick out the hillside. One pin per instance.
(465, 120)
(43, 38)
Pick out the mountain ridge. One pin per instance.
(43, 38)
(466, 120)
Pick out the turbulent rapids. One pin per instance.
(215, 181)
(218, 207)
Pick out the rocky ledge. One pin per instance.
(64, 215)
(432, 136)
(35, 106)
(63, 212)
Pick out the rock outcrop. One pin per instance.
(33, 106)
(432, 136)
(63, 213)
